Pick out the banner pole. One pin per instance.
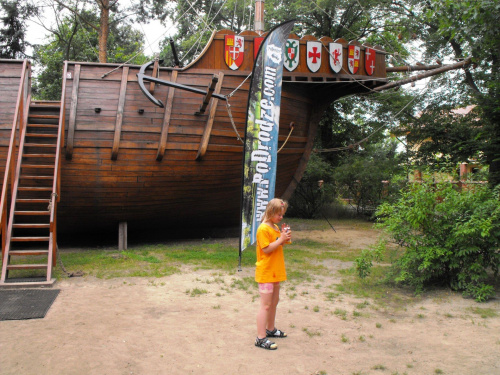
(261, 133)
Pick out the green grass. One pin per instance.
(304, 257)
(311, 333)
(153, 260)
(377, 286)
(483, 312)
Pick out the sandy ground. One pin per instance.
(154, 326)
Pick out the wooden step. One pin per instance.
(32, 200)
(27, 284)
(31, 177)
(44, 145)
(33, 188)
(34, 213)
(29, 239)
(41, 135)
(38, 166)
(11, 267)
(31, 226)
(43, 126)
(39, 156)
(28, 252)
(45, 104)
(43, 116)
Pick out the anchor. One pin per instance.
(141, 77)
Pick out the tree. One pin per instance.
(110, 13)
(315, 190)
(13, 34)
(460, 29)
(370, 175)
(76, 42)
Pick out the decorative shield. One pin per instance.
(370, 60)
(291, 54)
(233, 51)
(336, 56)
(353, 59)
(257, 41)
(314, 55)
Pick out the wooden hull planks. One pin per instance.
(127, 159)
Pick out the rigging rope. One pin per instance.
(142, 50)
(237, 88)
(292, 126)
(351, 146)
(228, 106)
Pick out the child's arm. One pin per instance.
(283, 238)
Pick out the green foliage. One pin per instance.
(75, 41)
(369, 176)
(13, 14)
(311, 195)
(449, 237)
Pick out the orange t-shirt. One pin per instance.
(270, 267)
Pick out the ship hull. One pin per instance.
(129, 160)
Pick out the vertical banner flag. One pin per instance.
(261, 133)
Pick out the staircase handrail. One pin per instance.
(56, 187)
(20, 119)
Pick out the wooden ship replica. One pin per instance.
(105, 155)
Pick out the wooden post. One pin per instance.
(122, 235)
(119, 114)
(208, 96)
(259, 16)
(72, 113)
(464, 171)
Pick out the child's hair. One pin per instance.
(274, 206)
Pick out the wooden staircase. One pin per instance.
(29, 253)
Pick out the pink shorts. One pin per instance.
(266, 288)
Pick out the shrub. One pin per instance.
(449, 236)
(370, 176)
(310, 197)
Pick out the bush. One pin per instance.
(449, 236)
(309, 197)
(370, 176)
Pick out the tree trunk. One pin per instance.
(103, 31)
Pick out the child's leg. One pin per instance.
(271, 316)
(266, 298)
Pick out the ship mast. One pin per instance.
(259, 16)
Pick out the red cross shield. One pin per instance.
(353, 58)
(313, 55)
(234, 51)
(370, 60)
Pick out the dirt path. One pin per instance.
(197, 323)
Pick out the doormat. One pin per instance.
(20, 304)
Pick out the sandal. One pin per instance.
(265, 344)
(275, 333)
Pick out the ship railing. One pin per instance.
(56, 186)
(18, 124)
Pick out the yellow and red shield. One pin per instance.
(353, 58)
(234, 48)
